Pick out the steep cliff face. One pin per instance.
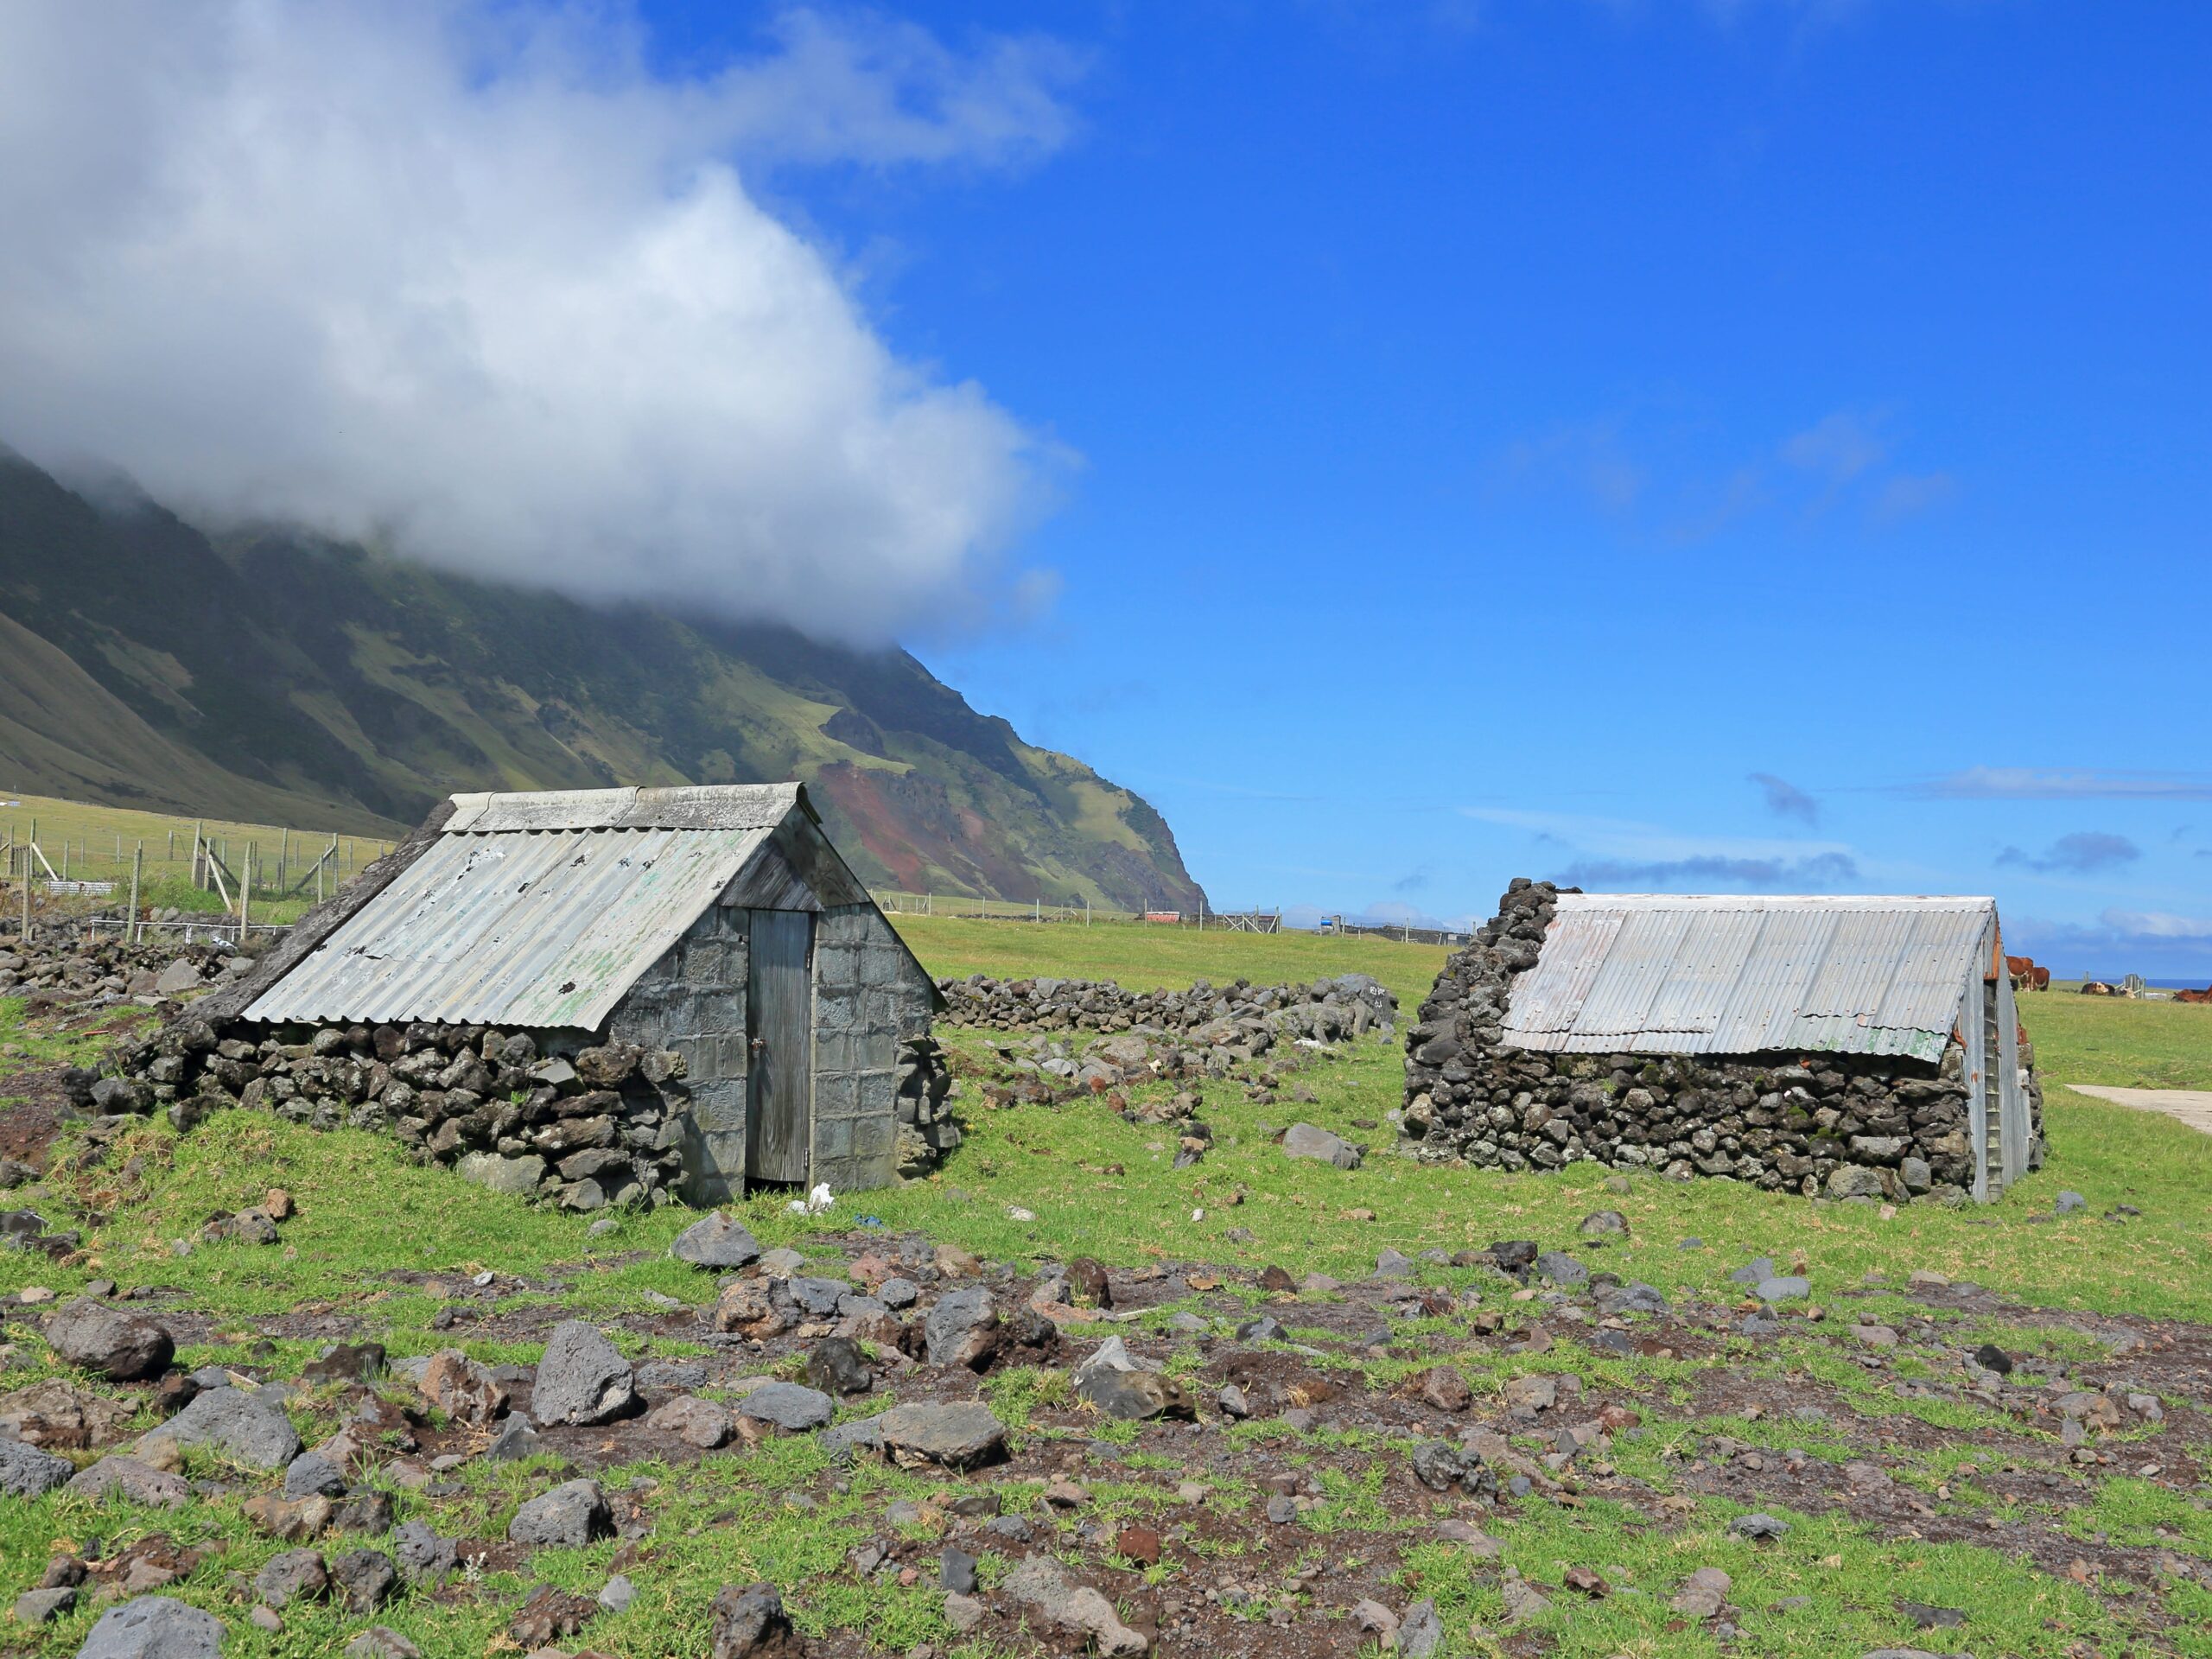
(276, 678)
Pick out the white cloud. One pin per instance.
(1585, 457)
(1612, 855)
(2083, 853)
(1908, 495)
(1662, 467)
(1784, 799)
(2118, 942)
(1839, 447)
(1619, 838)
(2062, 783)
(2158, 923)
(472, 279)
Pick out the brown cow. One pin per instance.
(2204, 996)
(2026, 976)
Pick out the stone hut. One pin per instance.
(1858, 1047)
(596, 995)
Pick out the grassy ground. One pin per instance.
(1145, 957)
(101, 841)
(1098, 1184)
(101, 838)
(2116, 1041)
(389, 1242)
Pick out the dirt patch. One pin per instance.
(36, 1106)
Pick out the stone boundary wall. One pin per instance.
(1845, 1125)
(560, 1117)
(1327, 1010)
(565, 1118)
(65, 961)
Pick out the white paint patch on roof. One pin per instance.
(1668, 974)
(705, 806)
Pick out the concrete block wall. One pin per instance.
(869, 997)
(693, 1001)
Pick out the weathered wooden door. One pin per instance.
(780, 1015)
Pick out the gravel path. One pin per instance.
(2190, 1106)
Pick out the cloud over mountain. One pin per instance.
(475, 281)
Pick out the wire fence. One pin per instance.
(1081, 913)
(1449, 936)
(281, 866)
(1077, 912)
(190, 872)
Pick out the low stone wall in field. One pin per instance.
(65, 961)
(1070, 1040)
(1845, 1125)
(571, 1121)
(1327, 1010)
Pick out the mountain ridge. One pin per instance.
(271, 674)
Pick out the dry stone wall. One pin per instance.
(558, 1116)
(1071, 1040)
(65, 960)
(1844, 1126)
(1328, 1010)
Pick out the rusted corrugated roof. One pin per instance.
(1658, 973)
(529, 927)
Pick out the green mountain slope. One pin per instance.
(277, 677)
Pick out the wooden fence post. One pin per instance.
(132, 932)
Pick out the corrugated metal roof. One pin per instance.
(545, 928)
(1664, 974)
(707, 806)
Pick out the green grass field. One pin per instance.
(1050, 1160)
(1146, 957)
(375, 1235)
(1054, 1161)
(102, 838)
(2112, 1041)
(98, 844)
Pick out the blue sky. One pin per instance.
(1755, 446)
(1751, 445)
